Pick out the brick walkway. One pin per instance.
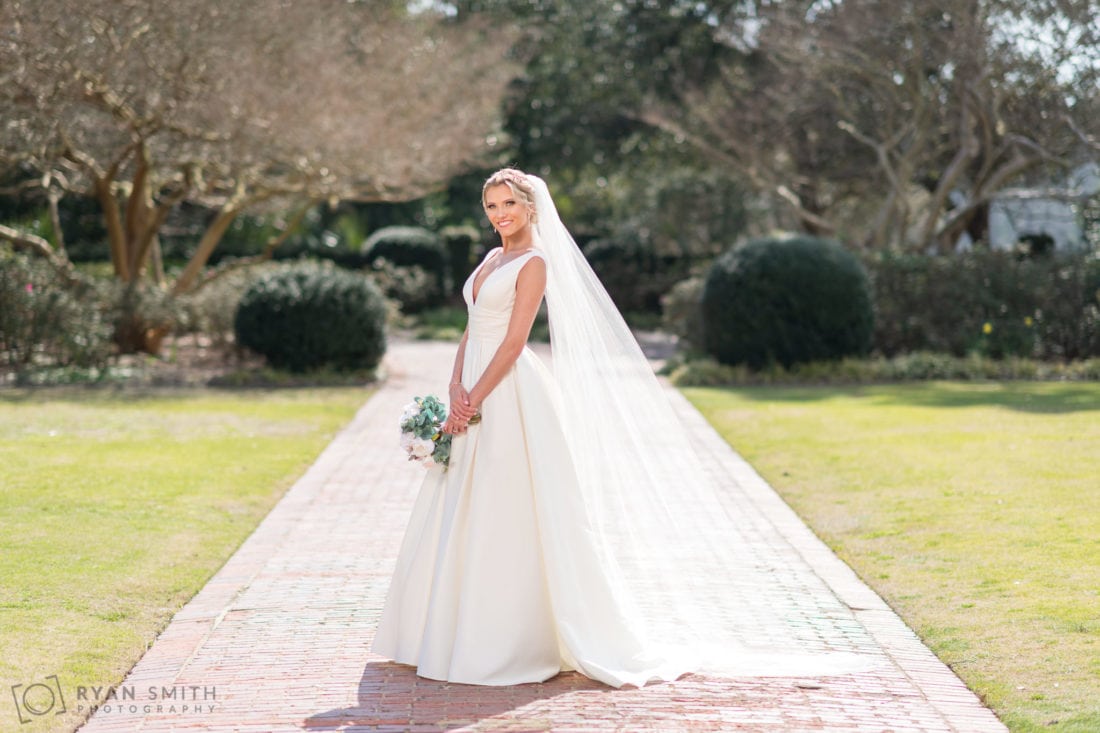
(278, 639)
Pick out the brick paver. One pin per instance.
(279, 637)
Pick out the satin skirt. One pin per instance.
(500, 579)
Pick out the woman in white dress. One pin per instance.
(557, 538)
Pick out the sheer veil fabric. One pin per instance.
(644, 542)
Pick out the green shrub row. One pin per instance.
(300, 316)
(919, 366)
(407, 254)
(418, 268)
(772, 301)
(992, 303)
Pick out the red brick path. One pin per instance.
(278, 639)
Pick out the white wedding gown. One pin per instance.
(498, 578)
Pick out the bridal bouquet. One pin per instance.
(421, 436)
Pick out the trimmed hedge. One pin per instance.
(408, 246)
(993, 303)
(786, 301)
(310, 315)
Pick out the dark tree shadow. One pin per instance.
(393, 697)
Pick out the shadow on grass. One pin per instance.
(1035, 397)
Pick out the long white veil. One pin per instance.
(671, 547)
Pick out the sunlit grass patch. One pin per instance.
(973, 509)
(117, 507)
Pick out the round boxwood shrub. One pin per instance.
(408, 246)
(308, 315)
(786, 301)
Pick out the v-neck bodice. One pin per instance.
(491, 310)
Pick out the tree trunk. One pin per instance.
(269, 248)
(157, 258)
(978, 227)
(116, 234)
(54, 197)
(209, 241)
(136, 208)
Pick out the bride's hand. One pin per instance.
(460, 403)
(453, 425)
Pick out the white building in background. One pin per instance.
(1018, 212)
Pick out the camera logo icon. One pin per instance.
(38, 699)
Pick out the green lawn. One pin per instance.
(117, 508)
(973, 509)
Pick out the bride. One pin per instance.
(575, 527)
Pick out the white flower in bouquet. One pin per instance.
(411, 410)
(421, 448)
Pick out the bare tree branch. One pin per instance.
(256, 103)
(39, 246)
(269, 250)
(29, 241)
(868, 116)
(1090, 140)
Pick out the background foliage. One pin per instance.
(307, 316)
(47, 322)
(786, 301)
(992, 303)
(670, 132)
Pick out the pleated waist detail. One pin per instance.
(488, 325)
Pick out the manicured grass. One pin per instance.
(973, 509)
(117, 508)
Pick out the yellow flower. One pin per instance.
(987, 328)
(1028, 321)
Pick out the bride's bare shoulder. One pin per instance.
(491, 254)
(532, 274)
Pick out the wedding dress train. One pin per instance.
(500, 579)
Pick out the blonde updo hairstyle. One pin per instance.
(516, 180)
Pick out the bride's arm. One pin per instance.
(456, 373)
(530, 286)
(460, 398)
